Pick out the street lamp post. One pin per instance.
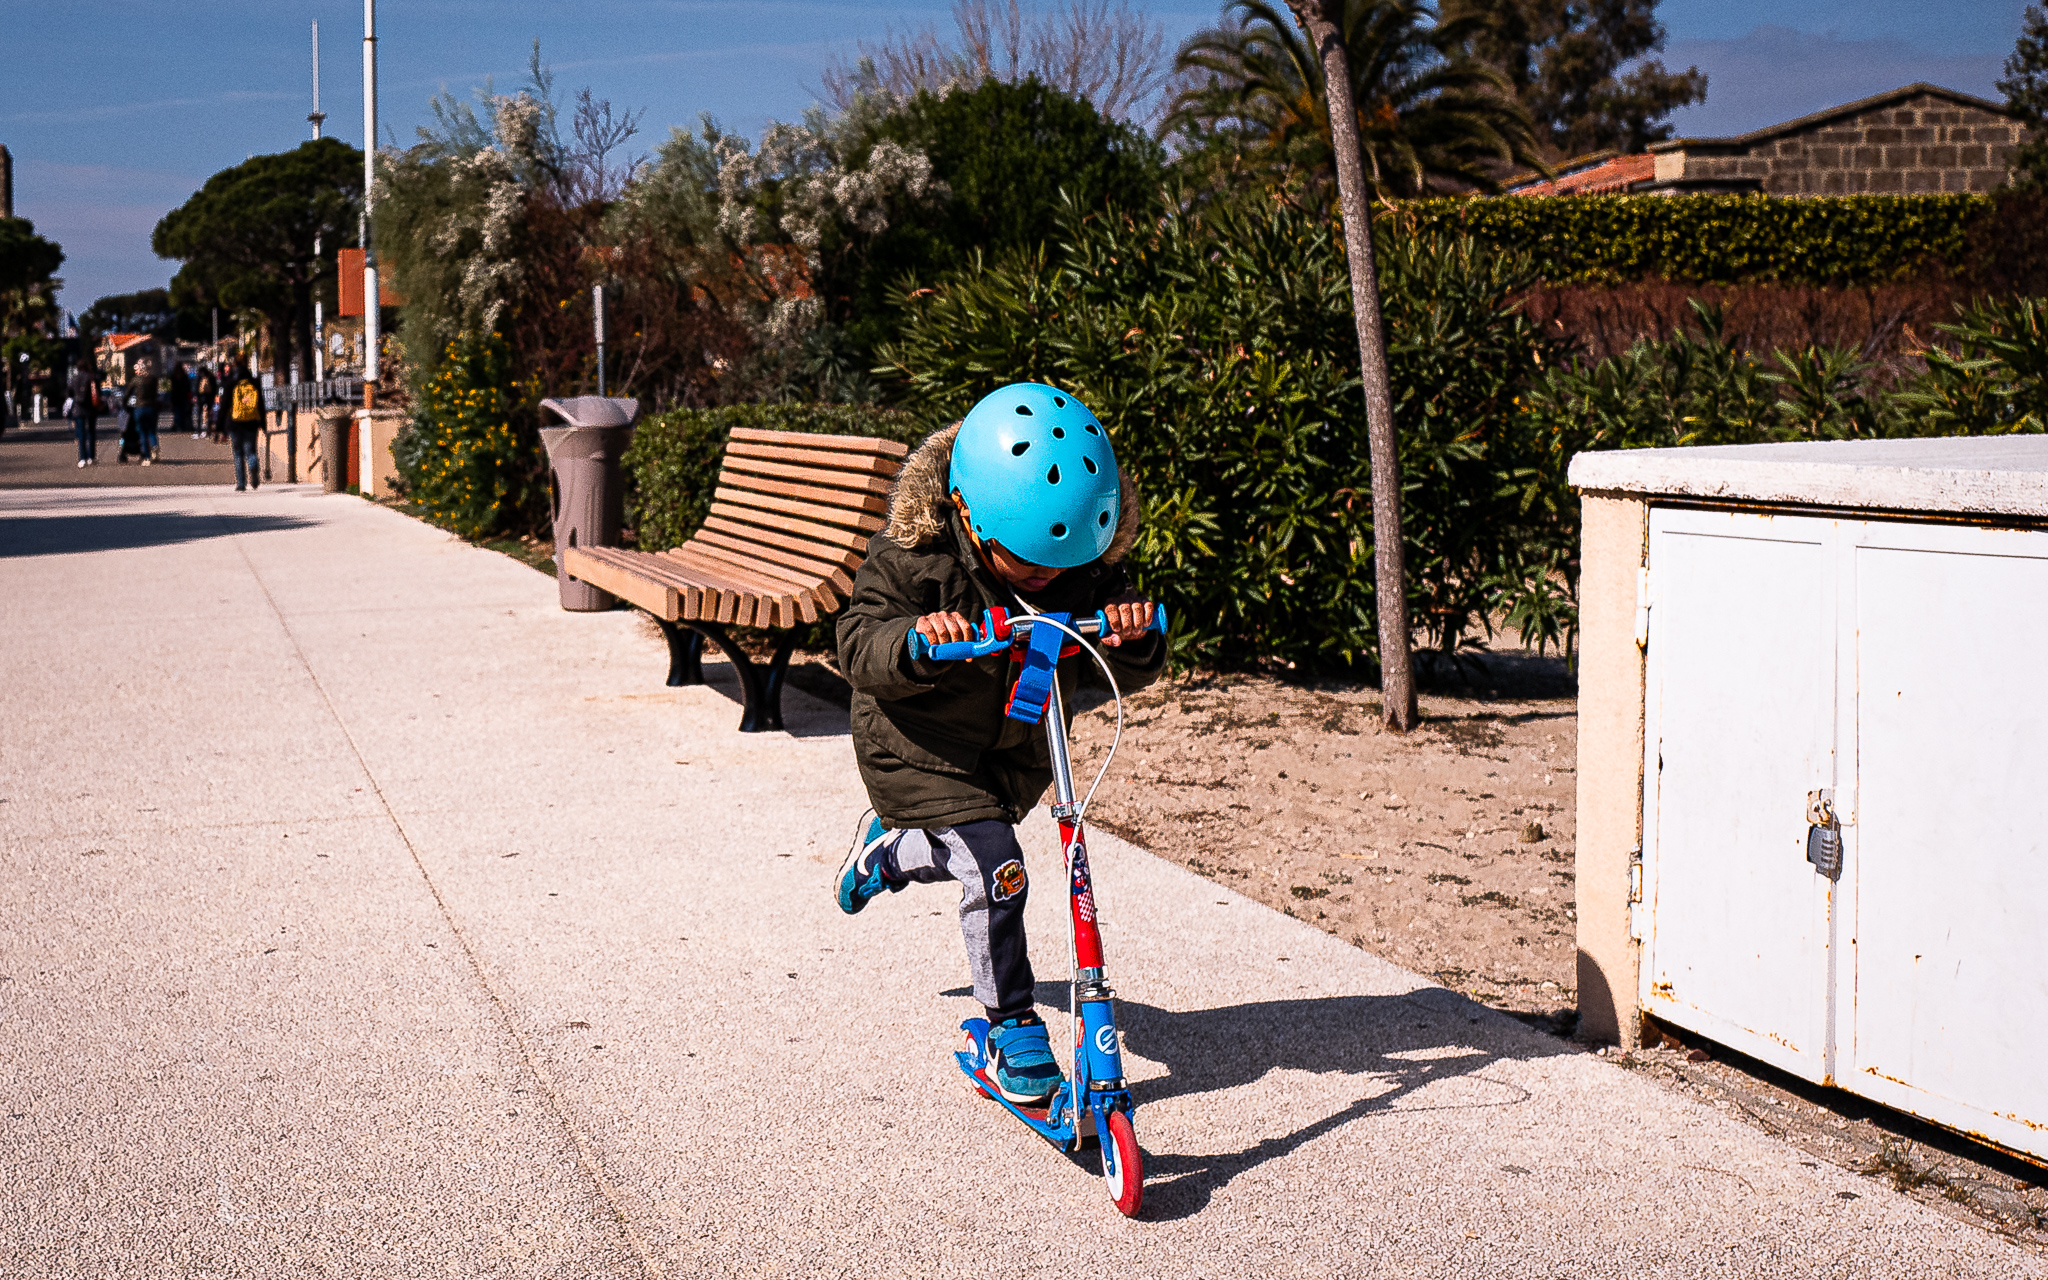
(370, 296)
(317, 119)
(597, 305)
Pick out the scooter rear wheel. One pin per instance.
(1123, 1165)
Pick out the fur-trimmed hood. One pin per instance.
(922, 499)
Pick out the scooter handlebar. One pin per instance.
(989, 638)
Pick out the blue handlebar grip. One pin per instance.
(923, 650)
(1102, 627)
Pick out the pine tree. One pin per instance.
(2026, 92)
(1562, 57)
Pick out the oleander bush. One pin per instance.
(1218, 347)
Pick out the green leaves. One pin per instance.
(471, 459)
(1830, 240)
(1217, 344)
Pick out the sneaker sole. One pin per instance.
(839, 884)
(1026, 1099)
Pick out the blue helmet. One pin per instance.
(1038, 475)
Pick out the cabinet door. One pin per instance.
(1740, 726)
(1950, 995)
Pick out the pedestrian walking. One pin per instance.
(181, 399)
(82, 410)
(142, 396)
(205, 392)
(241, 398)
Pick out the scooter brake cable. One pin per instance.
(1116, 739)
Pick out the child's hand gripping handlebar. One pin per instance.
(998, 631)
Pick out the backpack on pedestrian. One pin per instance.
(247, 408)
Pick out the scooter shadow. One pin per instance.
(1396, 1047)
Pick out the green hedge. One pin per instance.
(672, 464)
(1824, 240)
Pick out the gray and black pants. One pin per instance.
(987, 861)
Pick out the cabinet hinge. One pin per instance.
(1643, 607)
(1635, 894)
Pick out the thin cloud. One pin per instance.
(115, 110)
(1775, 74)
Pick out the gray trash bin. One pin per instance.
(587, 491)
(333, 421)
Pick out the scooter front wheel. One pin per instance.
(1123, 1165)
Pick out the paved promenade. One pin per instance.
(365, 914)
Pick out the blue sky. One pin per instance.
(116, 111)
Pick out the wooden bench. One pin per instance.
(789, 525)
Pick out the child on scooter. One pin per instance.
(1021, 502)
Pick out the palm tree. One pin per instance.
(1430, 118)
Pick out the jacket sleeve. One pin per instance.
(874, 632)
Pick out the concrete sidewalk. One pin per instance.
(368, 915)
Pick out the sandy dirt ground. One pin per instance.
(1448, 851)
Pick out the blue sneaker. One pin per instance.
(861, 877)
(1020, 1061)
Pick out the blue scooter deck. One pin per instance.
(1057, 1122)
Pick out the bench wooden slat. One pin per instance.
(622, 580)
(831, 478)
(756, 578)
(775, 509)
(776, 602)
(817, 569)
(745, 566)
(840, 499)
(855, 463)
(873, 445)
(741, 521)
(700, 596)
(793, 536)
(837, 488)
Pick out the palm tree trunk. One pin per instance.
(1397, 670)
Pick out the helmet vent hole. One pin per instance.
(1059, 433)
(1059, 531)
(1093, 430)
(1103, 520)
(1089, 463)
(1024, 409)
(1018, 448)
(1053, 476)
(1059, 402)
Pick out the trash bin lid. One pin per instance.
(595, 411)
(599, 427)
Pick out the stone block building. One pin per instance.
(1919, 140)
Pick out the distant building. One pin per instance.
(119, 353)
(1604, 173)
(6, 183)
(1918, 140)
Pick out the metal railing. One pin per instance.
(310, 395)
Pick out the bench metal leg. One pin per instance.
(760, 686)
(685, 653)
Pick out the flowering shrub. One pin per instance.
(471, 459)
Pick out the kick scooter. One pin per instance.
(1093, 1102)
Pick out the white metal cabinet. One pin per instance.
(1948, 1016)
(1894, 665)
(1739, 702)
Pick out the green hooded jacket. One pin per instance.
(931, 739)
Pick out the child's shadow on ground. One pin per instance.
(1210, 1051)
